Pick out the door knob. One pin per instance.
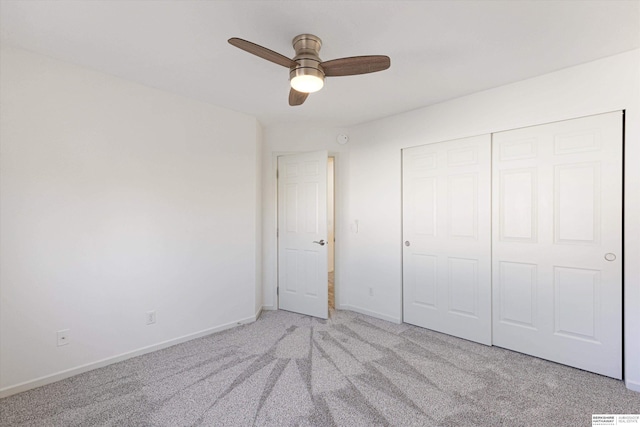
(407, 243)
(321, 242)
(610, 256)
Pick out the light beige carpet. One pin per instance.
(352, 370)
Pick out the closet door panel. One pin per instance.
(557, 242)
(446, 237)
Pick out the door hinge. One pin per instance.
(278, 291)
(277, 232)
(277, 173)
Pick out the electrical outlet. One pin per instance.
(63, 337)
(151, 317)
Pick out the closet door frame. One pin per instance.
(541, 323)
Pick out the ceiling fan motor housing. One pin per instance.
(307, 47)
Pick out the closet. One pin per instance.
(515, 239)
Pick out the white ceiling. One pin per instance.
(439, 49)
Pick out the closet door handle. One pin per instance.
(321, 242)
(610, 256)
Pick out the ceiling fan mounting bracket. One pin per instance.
(307, 43)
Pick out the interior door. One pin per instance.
(557, 242)
(446, 200)
(302, 233)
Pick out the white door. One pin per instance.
(557, 248)
(446, 205)
(302, 233)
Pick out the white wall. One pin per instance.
(372, 257)
(117, 199)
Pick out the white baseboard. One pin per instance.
(632, 385)
(269, 307)
(48, 379)
(372, 313)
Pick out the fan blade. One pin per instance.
(296, 98)
(263, 52)
(355, 65)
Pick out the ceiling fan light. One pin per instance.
(307, 83)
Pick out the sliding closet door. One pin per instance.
(446, 237)
(557, 242)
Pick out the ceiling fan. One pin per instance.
(307, 71)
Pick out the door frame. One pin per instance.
(337, 228)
